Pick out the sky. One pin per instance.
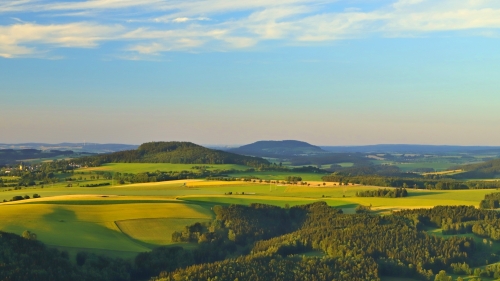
(345, 72)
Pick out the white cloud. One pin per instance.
(185, 19)
(157, 26)
(405, 3)
(446, 20)
(14, 38)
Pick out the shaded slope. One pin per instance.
(278, 148)
(174, 152)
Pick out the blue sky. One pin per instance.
(233, 72)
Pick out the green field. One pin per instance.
(155, 231)
(123, 220)
(275, 175)
(135, 168)
(91, 227)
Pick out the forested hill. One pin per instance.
(278, 148)
(174, 152)
(483, 170)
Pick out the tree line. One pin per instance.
(408, 182)
(390, 193)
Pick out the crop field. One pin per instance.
(155, 231)
(449, 173)
(99, 226)
(123, 220)
(274, 175)
(135, 168)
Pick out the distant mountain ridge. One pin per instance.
(410, 148)
(278, 148)
(77, 147)
(176, 153)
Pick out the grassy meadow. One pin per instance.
(276, 175)
(123, 220)
(136, 168)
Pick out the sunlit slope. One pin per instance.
(164, 167)
(94, 226)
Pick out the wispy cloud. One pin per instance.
(14, 39)
(156, 26)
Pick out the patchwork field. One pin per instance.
(123, 220)
(70, 221)
(274, 175)
(151, 167)
(155, 231)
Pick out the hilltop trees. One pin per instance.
(173, 152)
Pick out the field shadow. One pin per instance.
(346, 206)
(63, 228)
(186, 222)
(60, 215)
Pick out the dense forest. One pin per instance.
(391, 193)
(490, 201)
(484, 170)
(262, 242)
(172, 152)
(24, 258)
(354, 247)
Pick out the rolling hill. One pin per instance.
(285, 148)
(176, 153)
(483, 170)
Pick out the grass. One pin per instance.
(278, 175)
(127, 219)
(247, 200)
(9, 178)
(155, 231)
(96, 202)
(135, 168)
(93, 226)
(448, 173)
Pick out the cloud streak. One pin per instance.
(156, 26)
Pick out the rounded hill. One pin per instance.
(176, 153)
(279, 148)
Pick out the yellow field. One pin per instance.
(135, 218)
(156, 231)
(450, 172)
(215, 183)
(91, 226)
(160, 183)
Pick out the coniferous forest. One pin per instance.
(263, 242)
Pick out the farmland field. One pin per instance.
(151, 167)
(123, 220)
(275, 175)
(155, 231)
(98, 226)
